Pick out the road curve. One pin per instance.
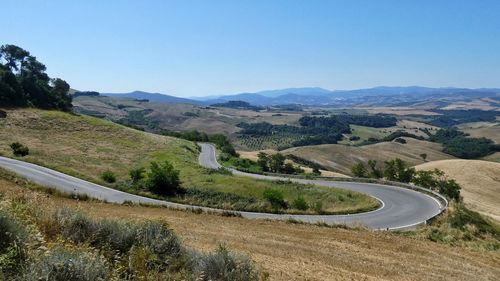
(401, 208)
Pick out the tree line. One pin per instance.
(23, 82)
(398, 170)
(459, 144)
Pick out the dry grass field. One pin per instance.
(341, 157)
(398, 110)
(287, 251)
(488, 130)
(480, 181)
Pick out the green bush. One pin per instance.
(64, 265)
(108, 177)
(19, 149)
(318, 207)
(137, 174)
(462, 217)
(275, 197)
(163, 179)
(300, 204)
(359, 170)
(224, 265)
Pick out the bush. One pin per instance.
(73, 225)
(64, 265)
(462, 217)
(318, 207)
(300, 204)
(224, 265)
(108, 177)
(400, 140)
(19, 150)
(13, 237)
(136, 174)
(3, 114)
(359, 170)
(275, 197)
(163, 179)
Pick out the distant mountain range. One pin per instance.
(314, 96)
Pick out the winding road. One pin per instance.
(400, 208)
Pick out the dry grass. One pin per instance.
(488, 130)
(342, 157)
(480, 181)
(301, 252)
(398, 111)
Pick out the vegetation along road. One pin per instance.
(400, 208)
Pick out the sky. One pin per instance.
(197, 48)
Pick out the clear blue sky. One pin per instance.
(194, 48)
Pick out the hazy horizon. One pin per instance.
(199, 48)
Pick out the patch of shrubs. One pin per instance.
(85, 249)
(300, 204)
(62, 264)
(275, 197)
(224, 265)
(400, 140)
(108, 176)
(19, 149)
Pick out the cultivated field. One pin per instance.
(480, 182)
(286, 251)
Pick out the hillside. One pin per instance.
(87, 147)
(287, 251)
(342, 157)
(480, 181)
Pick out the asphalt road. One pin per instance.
(401, 208)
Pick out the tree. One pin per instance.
(425, 178)
(423, 156)
(276, 162)
(315, 169)
(137, 174)
(263, 160)
(398, 170)
(163, 179)
(23, 82)
(288, 168)
(449, 188)
(359, 170)
(374, 171)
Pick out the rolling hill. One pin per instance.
(154, 97)
(480, 181)
(341, 158)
